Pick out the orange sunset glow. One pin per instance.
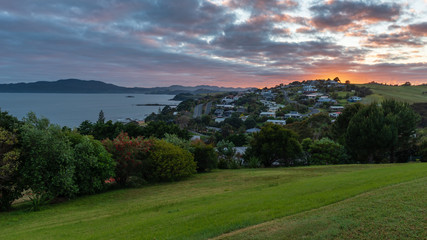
(238, 43)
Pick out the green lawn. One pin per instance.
(206, 205)
(410, 94)
(393, 212)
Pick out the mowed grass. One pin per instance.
(409, 94)
(393, 212)
(206, 205)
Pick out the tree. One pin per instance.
(101, 118)
(275, 143)
(406, 121)
(9, 169)
(94, 164)
(339, 127)
(128, 153)
(370, 134)
(337, 79)
(48, 165)
(158, 129)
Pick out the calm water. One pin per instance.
(72, 109)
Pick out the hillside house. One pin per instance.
(268, 114)
(354, 99)
(334, 114)
(336, 108)
(293, 114)
(278, 122)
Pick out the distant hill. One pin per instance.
(92, 86)
(409, 94)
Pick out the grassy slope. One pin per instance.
(412, 94)
(394, 212)
(204, 206)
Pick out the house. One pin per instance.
(309, 88)
(219, 120)
(336, 108)
(323, 99)
(228, 113)
(278, 122)
(354, 99)
(253, 130)
(225, 106)
(227, 100)
(219, 112)
(267, 114)
(293, 115)
(334, 114)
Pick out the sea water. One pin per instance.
(70, 110)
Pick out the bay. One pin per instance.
(67, 109)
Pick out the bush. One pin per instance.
(205, 156)
(325, 151)
(93, 163)
(9, 165)
(167, 162)
(128, 154)
(226, 154)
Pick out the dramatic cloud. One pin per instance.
(218, 42)
(342, 15)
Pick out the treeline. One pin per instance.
(48, 163)
(375, 133)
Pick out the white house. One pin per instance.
(354, 99)
(278, 122)
(267, 114)
(336, 108)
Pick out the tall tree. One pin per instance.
(275, 143)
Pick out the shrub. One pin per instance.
(167, 162)
(226, 154)
(325, 151)
(9, 165)
(93, 163)
(205, 156)
(128, 154)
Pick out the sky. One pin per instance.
(233, 43)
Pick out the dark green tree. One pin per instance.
(370, 134)
(101, 117)
(275, 143)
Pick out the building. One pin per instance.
(278, 122)
(354, 99)
(293, 115)
(334, 114)
(336, 108)
(267, 114)
(253, 130)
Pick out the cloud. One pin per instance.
(158, 43)
(343, 15)
(419, 29)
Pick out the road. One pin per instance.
(198, 110)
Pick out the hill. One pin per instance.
(92, 86)
(409, 94)
(219, 202)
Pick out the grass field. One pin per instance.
(409, 94)
(212, 204)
